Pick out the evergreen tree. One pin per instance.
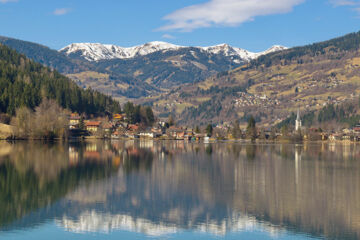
(24, 83)
(82, 123)
(251, 128)
(129, 110)
(171, 120)
(197, 129)
(209, 130)
(150, 118)
(139, 114)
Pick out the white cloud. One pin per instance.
(352, 4)
(168, 36)
(337, 3)
(61, 11)
(6, 1)
(225, 13)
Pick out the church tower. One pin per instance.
(298, 121)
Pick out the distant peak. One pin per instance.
(98, 51)
(277, 47)
(222, 45)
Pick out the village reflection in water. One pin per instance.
(165, 187)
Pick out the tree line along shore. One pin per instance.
(49, 121)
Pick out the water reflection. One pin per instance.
(159, 188)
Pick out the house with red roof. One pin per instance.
(93, 126)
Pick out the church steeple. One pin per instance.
(298, 114)
(298, 121)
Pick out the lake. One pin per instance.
(179, 190)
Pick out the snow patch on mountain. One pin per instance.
(98, 51)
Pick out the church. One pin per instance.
(298, 122)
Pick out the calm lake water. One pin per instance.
(177, 190)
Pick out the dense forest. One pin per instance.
(139, 114)
(46, 56)
(24, 83)
(349, 42)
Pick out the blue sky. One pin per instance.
(251, 24)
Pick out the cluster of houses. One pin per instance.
(246, 100)
(118, 127)
(347, 134)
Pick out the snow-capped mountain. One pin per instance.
(97, 51)
(274, 48)
(228, 50)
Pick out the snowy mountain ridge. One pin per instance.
(98, 51)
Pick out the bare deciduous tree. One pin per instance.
(23, 122)
(48, 121)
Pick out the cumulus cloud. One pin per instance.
(61, 11)
(225, 13)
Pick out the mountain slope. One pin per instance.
(168, 68)
(84, 73)
(139, 71)
(45, 55)
(155, 67)
(25, 83)
(97, 51)
(272, 86)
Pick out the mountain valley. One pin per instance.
(140, 71)
(273, 86)
(217, 84)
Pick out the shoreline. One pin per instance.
(247, 141)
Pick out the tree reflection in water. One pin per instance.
(163, 187)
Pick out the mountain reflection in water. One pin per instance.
(162, 188)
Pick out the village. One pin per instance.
(118, 127)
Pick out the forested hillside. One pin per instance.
(273, 86)
(136, 77)
(46, 56)
(166, 69)
(335, 49)
(25, 83)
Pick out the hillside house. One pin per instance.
(147, 134)
(151, 133)
(335, 137)
(115, 134)
(119, 117)
(177, 133)
(356, 129)
(158, 131)
(189, 134)
(93, 126)
(108, 127)
(347, 137)
(74, 121)
(133, 128)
